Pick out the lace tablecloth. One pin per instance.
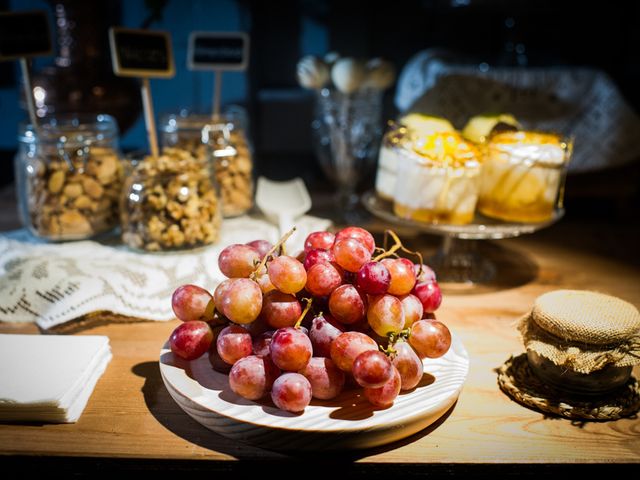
(579, 102)
(52, 284)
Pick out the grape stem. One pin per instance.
(304, 312)
(397, 246)
(269, 255)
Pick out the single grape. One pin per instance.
(373, 278)
(384, 396)
(287, 274)
(429, 294)
(252, 377)
(325, 378)
(347, 346)
(323, 240)
(350, 254)
(291, 392)
(262, 343)
(263, 281)
(359, 234)
(262, 247)
(424, 274)
(234, 343)
(372, 369)
(324, 330)
(222, 288)
(215, 360)
(323, 279)
(240, 300)
(280, 309)
(408, 364)
(430, 338)
(385, 314)
(412, 308)
(290, 349)
(238, 261)
(190, 302)
(403, 278)
(191, 339)
(347, 304)
(317, 255)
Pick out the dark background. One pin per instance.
(499, 32)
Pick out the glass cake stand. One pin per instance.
(457, 260)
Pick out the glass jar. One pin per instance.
(170, 202)
(523, 176)
(225, 142)
(69, 175)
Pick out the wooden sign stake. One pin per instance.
(28, 92)
(149, 119)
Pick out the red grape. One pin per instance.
(291, 392)
(238, 261)
(262, 343)
(317, 255)
(408, 364)
(323, 240)
(427, 275)
(347, 346)
(263, 281)
(347, 304)
(191, 339)
(429, 294)
(252, 377)
(262, 247)
(215, 360)
(234, 343)
(372, 369)
(430, 338)
(350, 254)
(403, 278)
(373, 278)
(190, 302)
(323, 278)
(359, 234)
(385, 314)
(412, 308)
(287, 274)
(325, 378)
(280, 309)
(324, 330)
(240, 300)
(385, 395)
(290, 349)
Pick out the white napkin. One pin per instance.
(49, 378)
(51, 284)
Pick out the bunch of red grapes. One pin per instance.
(341, 312)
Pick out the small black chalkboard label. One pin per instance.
(218, 51)
(141, 53)
(24, 34)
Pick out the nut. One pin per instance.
(56, 181)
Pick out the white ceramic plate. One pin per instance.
(347, 422)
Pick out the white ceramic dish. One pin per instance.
(347, 422)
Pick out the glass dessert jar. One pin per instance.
(170, 202)
(69, 176)
(437, 180)
(224, 141)
(523, 176)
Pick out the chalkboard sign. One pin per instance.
(24, 34)
(218, 51)
(141, 53)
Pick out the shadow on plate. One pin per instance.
(166, 411)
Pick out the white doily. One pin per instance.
(579, 102)
(51, 284)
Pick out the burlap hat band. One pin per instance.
(579, 356)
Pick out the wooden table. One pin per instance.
(132, 422)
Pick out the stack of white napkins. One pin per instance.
(49, 378)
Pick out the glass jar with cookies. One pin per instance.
(224, 141)
(69, 174)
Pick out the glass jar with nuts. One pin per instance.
(69, 176)
(170, 202)
(224, 141)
